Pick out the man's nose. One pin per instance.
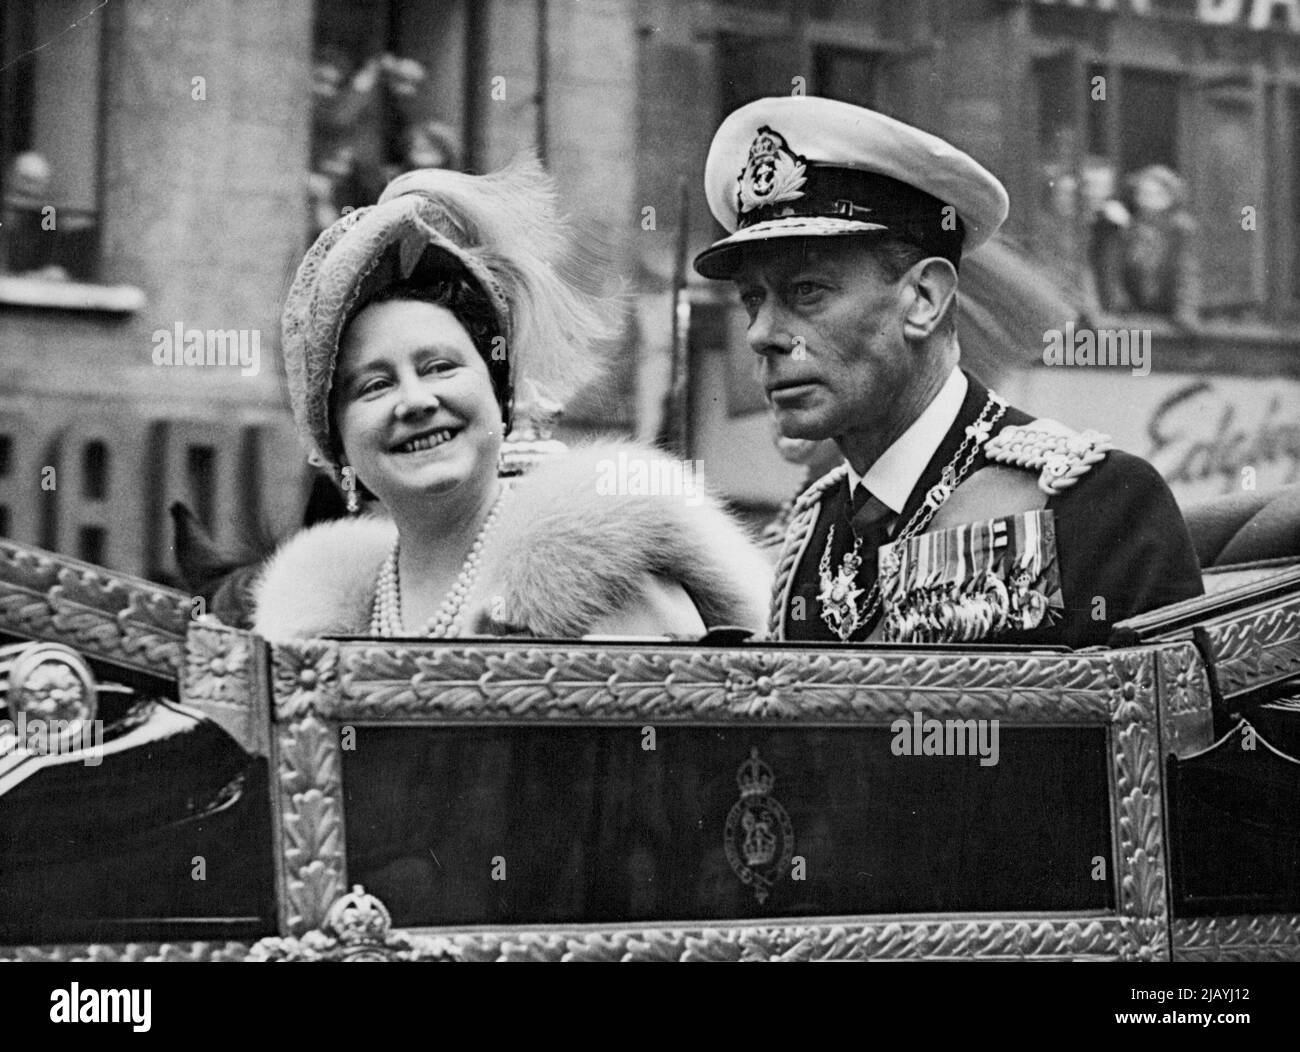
(767, 332)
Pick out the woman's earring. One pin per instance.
(350, 488)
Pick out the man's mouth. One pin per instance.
(789, 390)
(426, 440)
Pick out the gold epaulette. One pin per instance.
(1064, 456)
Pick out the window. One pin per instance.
(853, 51)
(92, 542)
(1230, 171)
(50, 138)
(850, 76)
(94, 470)
(201, 483)
(1149, 104)
(751, 68)
(1293, 243)
(1154, 200)
(388, 89)
(1142, 220)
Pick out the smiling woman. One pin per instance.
(415, 332)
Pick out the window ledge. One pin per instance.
(70, 295)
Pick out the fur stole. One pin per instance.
(564, 554)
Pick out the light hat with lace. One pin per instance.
(502, 230)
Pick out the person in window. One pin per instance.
(1108, 220)
(1096, 270)
(367, 127)
(415, 332)
(26, 238)
(1159, 257)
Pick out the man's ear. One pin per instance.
(933, 283)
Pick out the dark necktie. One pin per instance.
(870, 514)
(870, 521)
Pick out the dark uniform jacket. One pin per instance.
(1120, 539)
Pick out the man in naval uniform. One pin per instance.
(955, 517)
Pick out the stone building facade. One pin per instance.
(181, 142)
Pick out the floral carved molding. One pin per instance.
(222, 679)
(1257, 648)
(101, 614)
(1187, 716)
(510, 682)
(1273, 937)
(309, 785)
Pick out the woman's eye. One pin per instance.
(439, 366)
(372, 386)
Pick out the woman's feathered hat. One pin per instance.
(502, 229)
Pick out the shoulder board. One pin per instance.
(1062, 455)
(815, 490)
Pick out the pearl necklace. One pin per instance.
(386, 610)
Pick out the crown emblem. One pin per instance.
(772, 173)
(358, 918)
(754, 777)
(51, 696)
(759, 837)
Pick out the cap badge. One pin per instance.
(772, 174)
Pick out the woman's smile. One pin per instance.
(425, 441)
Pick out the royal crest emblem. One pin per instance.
(772, 174)
(759, 837)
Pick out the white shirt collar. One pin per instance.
(898, 469)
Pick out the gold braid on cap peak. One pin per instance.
(1063, 455)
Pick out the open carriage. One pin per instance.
(356, 798)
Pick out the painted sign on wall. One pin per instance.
(1252, 14)
(1207, 435)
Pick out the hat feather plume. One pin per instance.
(509, 222)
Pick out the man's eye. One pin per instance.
(751, 300)
(806, 289)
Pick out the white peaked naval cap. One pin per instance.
(802, 166)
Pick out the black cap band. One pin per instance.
(830, 191)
